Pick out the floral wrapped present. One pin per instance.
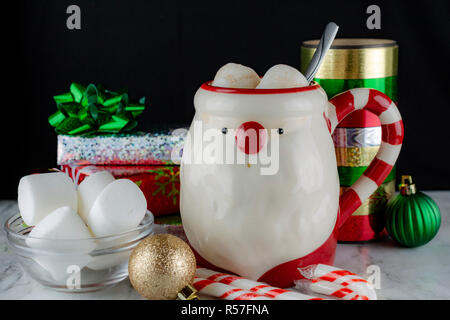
(160, 184)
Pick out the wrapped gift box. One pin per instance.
(160, 184)
(152, 148)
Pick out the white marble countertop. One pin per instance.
(419, 273)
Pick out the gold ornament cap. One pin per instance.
(187, 293)
(407, 187)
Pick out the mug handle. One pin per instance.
(381, 105)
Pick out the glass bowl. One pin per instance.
(82, 265)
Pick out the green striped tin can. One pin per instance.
(358, 63)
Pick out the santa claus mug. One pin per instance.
(265, 227)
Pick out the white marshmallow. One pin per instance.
(234, 75)
(282, 76)
(120, 207)
(40, 194)
(50, 240)
(89, 189)
(62, 223)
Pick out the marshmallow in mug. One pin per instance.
(89, 189)
(234, 75)
(56, 256)
(40, 194)
(282, 76)
(120, 207)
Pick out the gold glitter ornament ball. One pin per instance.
(160, 266)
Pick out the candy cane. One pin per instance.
(336, 282)
(224, 291)
(329, 289)
(321, 279)
(253, 286)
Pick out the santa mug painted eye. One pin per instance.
(266, 226)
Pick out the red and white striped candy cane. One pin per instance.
(337, 282)
(392, 136)
(328, 289)
(224, 291)
(252, 286)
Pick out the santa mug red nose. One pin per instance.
(251, 137)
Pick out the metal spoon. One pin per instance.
(325, 42)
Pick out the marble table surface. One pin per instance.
(419, 273)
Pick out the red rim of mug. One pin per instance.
(207, 86)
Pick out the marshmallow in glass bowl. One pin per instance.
(53, 252)
(118, 208)
(89, 189)
(110, 207)
(115, 212)
(40, 194)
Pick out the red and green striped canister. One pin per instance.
(359, 63)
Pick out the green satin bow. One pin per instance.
(93, 109)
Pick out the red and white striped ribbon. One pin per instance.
(392, 137)
(252, 286)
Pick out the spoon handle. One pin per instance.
(324, 44)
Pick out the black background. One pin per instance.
(165, 49)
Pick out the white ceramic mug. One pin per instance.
(265, 226)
